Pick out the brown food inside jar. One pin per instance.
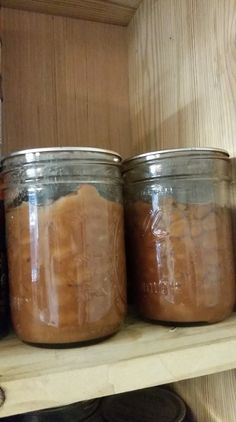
(181, 260)
(67, 268)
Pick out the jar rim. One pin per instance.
(170, 153)
(114, 156)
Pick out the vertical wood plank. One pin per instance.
(28, 81)
(65, 83)
(212, 398)
(182, 66)
(107, 85)
(71, 86)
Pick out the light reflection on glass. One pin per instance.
(34, 235)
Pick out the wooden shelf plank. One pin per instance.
(140, 355)
(118, 12)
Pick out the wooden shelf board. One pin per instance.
(119, 12)
(140, 355)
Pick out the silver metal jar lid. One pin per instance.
(83, 153)
(170, 153)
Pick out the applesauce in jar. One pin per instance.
(179, 235)
(65, 238)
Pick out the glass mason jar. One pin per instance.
(179, 235)
(65, 240)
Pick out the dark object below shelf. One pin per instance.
(156, 404)
(77, 412)
(148, 405)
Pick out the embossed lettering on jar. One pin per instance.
(179, 235)
(65, 237)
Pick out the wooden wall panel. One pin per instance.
(211, 398)
(65, 82)
(182, 72)
(117, 12)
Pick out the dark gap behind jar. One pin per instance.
(4, 294)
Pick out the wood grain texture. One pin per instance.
(140, 355)
(211, 398)
(182, 71)
(117, 12)
(65, 82)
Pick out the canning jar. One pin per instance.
(4, 308)
(65, 239)
(179, 235)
